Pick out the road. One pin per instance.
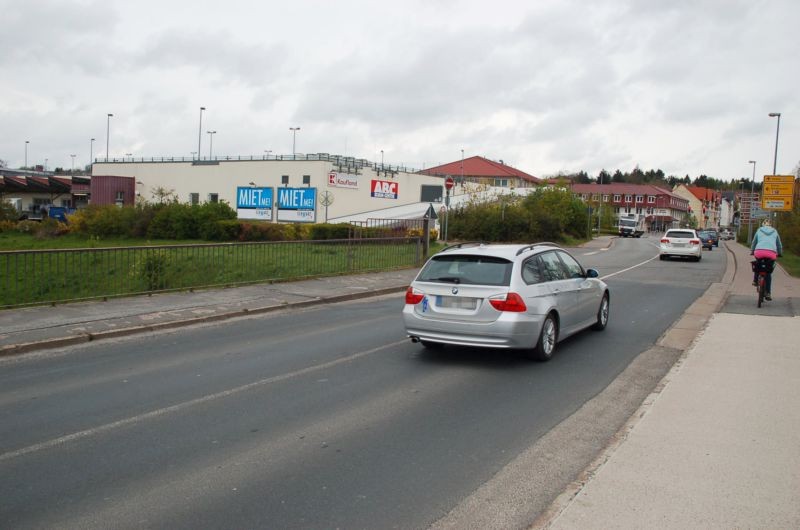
(326, 417)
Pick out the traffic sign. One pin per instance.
(778, 192)
(431, 213)
(449, 183)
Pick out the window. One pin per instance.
(530, 271)
(285, 180)
(628, 198)
(585, 196)
(194, 198)
(551, 267)
(213, 197)
(66, 203)
(120, 197)
(617, 197)
(595, 196)
(605, 197)
(307, 180)
(651, 199)
(503, 183)
(39, 203)
(640, 198)
(454, 269)
(574, 269)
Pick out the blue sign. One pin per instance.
(253, 198)
(297, 198)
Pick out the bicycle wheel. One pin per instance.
(762, 286)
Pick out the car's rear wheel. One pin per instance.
(662, 257)
(546, 344)
(602, 314)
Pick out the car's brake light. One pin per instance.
(413, 296)
(508, 302)
(694, 242)
(665, 240)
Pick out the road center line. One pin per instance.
(629, 268)
(186, 404)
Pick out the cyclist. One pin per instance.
(766, 244)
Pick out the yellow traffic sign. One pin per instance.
(778, 192)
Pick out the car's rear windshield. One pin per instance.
(473, 270)
(680, 234)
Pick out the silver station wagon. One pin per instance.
(504, 296)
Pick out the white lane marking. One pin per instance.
(592, 253)
(629, 268)
(186, 404)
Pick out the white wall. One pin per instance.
(223, 179)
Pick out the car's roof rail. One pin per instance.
(539, 244)
(464, 245)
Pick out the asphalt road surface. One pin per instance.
(322, 418)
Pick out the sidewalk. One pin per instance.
(718, 444)
(40, 327)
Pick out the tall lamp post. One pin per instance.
(26, 153)
(91, 151)
(200, 132)
(775, 160)
(777, 131)
(73, 163)
(210, 142)
(600, 207)
(294, 138)
(750, 207)
(108, 129)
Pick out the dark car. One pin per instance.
(706, 239)
(714, 236)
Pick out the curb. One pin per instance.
(26, 347)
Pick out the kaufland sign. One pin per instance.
(342, 180)
(384, 189)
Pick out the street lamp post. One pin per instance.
(381, 158)
(26, 154)
(91, 151)
(73, 163)
(777, 131)
(600, 207)
(294, 138)
(267, 152)
(750, 207)
(210, 142)
(108, 129)
(200, 132)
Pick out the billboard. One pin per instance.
(297, 205)
(254, 203)
(342, 180)
(384, 189)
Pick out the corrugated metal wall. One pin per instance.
(107, 189)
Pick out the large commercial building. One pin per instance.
(293, 188)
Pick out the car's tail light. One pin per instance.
(413, 296)
(508, 302)
(665, 240)
(694, 242)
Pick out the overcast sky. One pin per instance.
(547, 86)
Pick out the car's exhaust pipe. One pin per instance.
(414, 339)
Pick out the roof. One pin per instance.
(478, 166)
(623, 188)
(508, 251)
(703, 194)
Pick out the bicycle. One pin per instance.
(762, 266)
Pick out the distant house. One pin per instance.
(661, 207)
(480, 170)
(705, 204)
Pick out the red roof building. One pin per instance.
(705, 204)
(483, 171)
(661, 207)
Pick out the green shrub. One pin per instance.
(49, 228)
(27, 227)
(324, 231)
(223, 230)
(264, 231)
(8, 226)
(7, 211)
(153, 270)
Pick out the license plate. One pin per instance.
(679, 245)
(456, 302)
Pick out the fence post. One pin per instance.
(426, 239)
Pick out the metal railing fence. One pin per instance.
(30, 277)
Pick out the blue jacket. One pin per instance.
(767, 238)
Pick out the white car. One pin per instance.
(504, 296)
(681, 242)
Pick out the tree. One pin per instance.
(163, 195)
(618, 177)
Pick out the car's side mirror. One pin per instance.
(592, 273)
